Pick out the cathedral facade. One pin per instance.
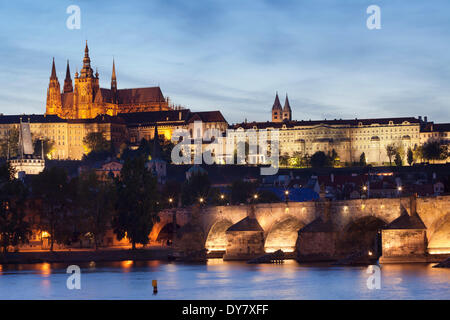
(86, 100)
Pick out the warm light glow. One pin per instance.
(286, 192)
(222, 196)
(170, 200)
(400, 188)
(127, 264)
(45, 234)
(45, 268)
(370, 253)
(255, 196)
(365, 188)
(284, 249)
(439, 250)
(216, 249)
(201, 200)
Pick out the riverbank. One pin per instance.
(105, 255)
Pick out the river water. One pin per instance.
(223, 280)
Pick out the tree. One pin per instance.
(391, 152)
(434, 150)
(10, 143)
(96, 146)
(410, 156)
(13, 194)
(418, 153)
(284, 160)
(137, 202)
(241, 191)
(55, 196)
(320, 160)
(334, 158)
(195, 188)
(362, 160)
(267, 196)
(398, 160)
(96, 200)
(46, 144)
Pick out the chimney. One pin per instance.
(425, 118)
(420, 118)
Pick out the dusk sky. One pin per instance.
(233, 55)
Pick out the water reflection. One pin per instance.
(222, 280)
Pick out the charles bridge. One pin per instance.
(403, 227)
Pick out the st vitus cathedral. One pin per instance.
(86, 99)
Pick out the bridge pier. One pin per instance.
(245, 239)
(405, 238)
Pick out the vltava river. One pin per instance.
(222, 280)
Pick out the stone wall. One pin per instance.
(406, 242)
(243, 245)
(316, 246)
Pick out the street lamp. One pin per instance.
(255, 196)
(201, 200)
(222, 196)
(286, 195)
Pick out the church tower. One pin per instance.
(54, 104)
(287, 112)
(277, 111)
(114, 84)
(68, 87)
(86, 86)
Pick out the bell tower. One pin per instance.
(277, 111)
(86, 86)
(287, 112)
(54, 104)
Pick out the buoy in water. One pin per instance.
(155, 286)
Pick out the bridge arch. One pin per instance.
(283, 234)
(216, 239)
(362, 234)
(439, 238)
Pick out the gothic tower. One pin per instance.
(114, 84)
(68, 87)
(86, 86)
(277, 111)
(287, 112)
(54, 104)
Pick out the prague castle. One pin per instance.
(86, 100)
(125, 116)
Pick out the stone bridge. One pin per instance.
(281, 222)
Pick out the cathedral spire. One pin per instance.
(86, 71)
(113, 77)
(68, 87)
(287, 106)
(287, 112)
(53, 75)
(114, 83)
(276, 104)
